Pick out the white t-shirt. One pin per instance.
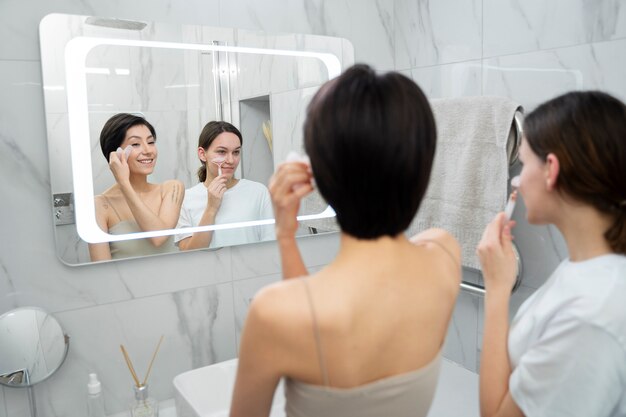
(567, 342)
(246, 201)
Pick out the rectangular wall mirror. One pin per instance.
(179, 77)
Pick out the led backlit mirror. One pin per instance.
(179, 77)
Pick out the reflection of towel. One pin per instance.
(468, 184)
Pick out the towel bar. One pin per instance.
(478, 289)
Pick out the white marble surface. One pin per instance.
(532, 78)
(368, 24)
(449, 80)
(529, 51)
(198, 330)
(532, 25)
(436, 32)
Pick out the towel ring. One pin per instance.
(516, 131)
(478, 289)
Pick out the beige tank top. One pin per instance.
(134, 247)
(403, 395)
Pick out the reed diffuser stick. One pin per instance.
(130, 366)
(152, 360)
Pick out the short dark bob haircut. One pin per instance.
(114, 131)
(371, 140)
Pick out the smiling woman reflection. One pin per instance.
(133, 204)
(220, 198)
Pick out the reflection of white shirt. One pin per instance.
(567, 343)
(246, 201)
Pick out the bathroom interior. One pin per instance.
(526, 51)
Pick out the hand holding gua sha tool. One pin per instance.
(144, 405)
(294, 156)
(219, 161)
(510, 205)
(126, 152)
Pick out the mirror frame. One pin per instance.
(66, 343)
(67, 56)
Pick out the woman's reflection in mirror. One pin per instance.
(133, 204)
(219, 197)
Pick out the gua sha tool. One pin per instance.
(219, 161)
(510, 205)
(126, 152)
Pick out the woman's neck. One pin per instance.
(140, 183)
(384, 249)
(583, 228)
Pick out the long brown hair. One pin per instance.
(207, 136)
(586, 130)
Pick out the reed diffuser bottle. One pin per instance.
(144, 405)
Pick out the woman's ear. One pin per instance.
(552, 171)
(202, 154)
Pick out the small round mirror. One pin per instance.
(32, 346)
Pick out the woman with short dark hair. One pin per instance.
(363, 336)
(565, 351)
(133, 204)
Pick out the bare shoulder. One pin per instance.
(170, 185)
(176, 188)
(443, 242)
(277, 308)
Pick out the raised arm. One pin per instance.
(498, 264)
(172, 194)
(289, 184)
(215, 193)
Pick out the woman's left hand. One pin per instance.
(289, 184)
(495, 251)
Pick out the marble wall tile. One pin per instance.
(3, 409)
(198, 329)
(15, 402)
(460, 344)
(370, 28)
(532, 78)
(263, 258)
(243, 293)
(436, 32)
(450, 80)
(19, 23)
(532, 25)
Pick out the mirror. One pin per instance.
(179, 77)
(32, 346)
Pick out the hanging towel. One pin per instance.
(469, 181)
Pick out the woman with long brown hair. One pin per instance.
(564, 354)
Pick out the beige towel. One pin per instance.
(469, 182)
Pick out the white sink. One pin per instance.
(207, 391)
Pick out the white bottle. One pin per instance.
(95, 402)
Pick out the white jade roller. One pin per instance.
(510, 205)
